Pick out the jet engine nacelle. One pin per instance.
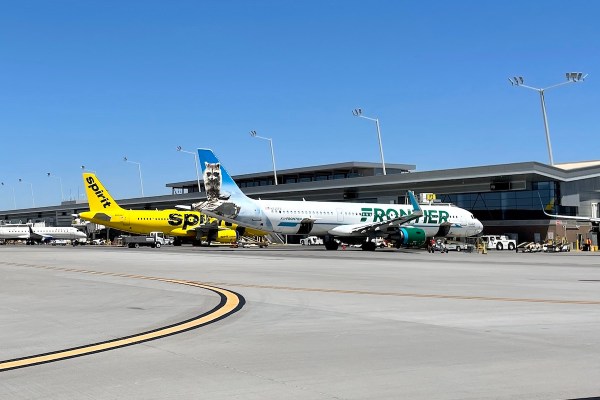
(226, 236)
(409, 236)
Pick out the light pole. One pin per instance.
(30, 184)
(179, 148)
(357, 112)
(140, 171)
(62, 196)
(572, 77)
(14, 197)
(253, 134)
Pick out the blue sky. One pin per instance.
(88, 82)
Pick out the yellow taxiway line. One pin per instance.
(230, 303)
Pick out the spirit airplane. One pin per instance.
(183, 225)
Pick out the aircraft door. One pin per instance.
(340, 215)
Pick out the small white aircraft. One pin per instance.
(32, 234)
(352, 223)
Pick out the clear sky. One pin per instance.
(88, 82)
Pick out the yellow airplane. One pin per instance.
(183, 225)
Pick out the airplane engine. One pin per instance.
(227, 236)
(408, 236)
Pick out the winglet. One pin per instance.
(544, 208)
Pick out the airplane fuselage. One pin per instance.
(323, 218)
(170, 222)
(23, 232)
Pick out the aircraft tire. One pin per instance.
(332, 245)
(368, 246)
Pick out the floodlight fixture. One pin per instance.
(253, 134)
(140, 172)
(195, 154)
(572, 77)
(357, 112)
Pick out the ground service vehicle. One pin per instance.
(311, 240)
(459, 246)
(440, 246)
(499, 242)
(154, 239)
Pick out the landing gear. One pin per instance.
(330, 243)
(177, 242)
(368, 246)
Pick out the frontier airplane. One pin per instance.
(403, 225)
(184, 226)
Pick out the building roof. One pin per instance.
(359, 168)
(577, 165)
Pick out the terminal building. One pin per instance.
(507, 198)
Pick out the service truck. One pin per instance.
(311, 240)
(499, 242)
(154, 240)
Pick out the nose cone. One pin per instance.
(478, 227)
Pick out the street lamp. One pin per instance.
(572, 77)
(195, 154)
(140, 171)
(62, 196)
(30, 184)
(14, 197)
(253, 134)
(357, 112)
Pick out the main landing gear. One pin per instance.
(330, 243)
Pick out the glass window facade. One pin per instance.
(512, 204)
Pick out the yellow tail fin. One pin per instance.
(97, 195)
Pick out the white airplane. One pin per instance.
(39, 233)
(353, 223)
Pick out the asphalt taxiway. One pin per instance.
(296, 323)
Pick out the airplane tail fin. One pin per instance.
(97, 195)
(217, 182)
(414, 202)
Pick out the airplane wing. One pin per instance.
(205, 228)
(37, 236)
(594, 220)
(361, 229)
